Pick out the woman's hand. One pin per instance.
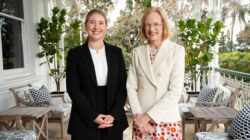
(147, 128)
(141, 119)
(104, 121)
(109, 119)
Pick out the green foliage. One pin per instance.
(49, 33)
(198, 38)
(147, 3)
(129, 4)
(104, 5)
(72, 37)
(236, 11)
(244, 37)
(224, 43)
(236, 60)
(126, 29)
(80, 8)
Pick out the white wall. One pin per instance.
(32, 73)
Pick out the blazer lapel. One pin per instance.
(109, 57)
(161, 55)
(146, 64)
(90, 63)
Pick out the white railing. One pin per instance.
(214, 76)
(237, 79)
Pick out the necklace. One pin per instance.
(152, 53)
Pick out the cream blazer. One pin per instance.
(156, 88)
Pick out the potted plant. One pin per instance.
(198, 38)
(50, 32)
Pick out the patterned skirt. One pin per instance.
(164, 131)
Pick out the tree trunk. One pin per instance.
(57, 86)
(232, 30)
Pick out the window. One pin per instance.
(11, 20)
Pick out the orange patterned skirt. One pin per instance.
(164, 131)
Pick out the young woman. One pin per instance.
(155, 81)
(96, 83)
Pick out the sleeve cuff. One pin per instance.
(93, 116)
(154, 117)
(115, 116)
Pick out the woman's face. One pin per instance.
(96, 27)
(153, 27)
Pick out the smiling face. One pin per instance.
(96, 27)
(153, 27)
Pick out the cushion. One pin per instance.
(41, 95)
(240, 127)
(183, 107)
(184, 96)
(232, 88)
(44, 89)
(213, 136)
(60, 110)
(25, 96)
(18, 135)
(222, 94)
(206, 94)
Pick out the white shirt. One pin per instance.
(100, 64)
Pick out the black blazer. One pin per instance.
(82, 88)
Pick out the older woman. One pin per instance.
(155, 81)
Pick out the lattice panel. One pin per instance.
(244, 97)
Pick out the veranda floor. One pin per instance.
(54, 132)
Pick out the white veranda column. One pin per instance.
(62, 4)
(214, 77)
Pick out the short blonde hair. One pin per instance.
(165, 24)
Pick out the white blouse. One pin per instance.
(100, 64)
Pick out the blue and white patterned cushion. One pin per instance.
(44, 89)
(240, 127)
(41, 96)
(206, 94)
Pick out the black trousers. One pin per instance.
(101, 103)
(102, 99)
(103, 137)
